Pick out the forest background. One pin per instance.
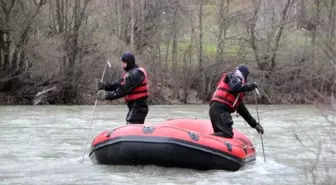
(54, 51)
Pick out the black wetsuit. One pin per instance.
(138, 109)
(220, 113)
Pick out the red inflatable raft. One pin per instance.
(185, 143)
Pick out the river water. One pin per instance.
(45, 145)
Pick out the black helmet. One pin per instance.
(129, 59)
(244, 70)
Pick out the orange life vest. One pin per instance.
(142, 91)
(223, 95)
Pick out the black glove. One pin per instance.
(251, 86)
(101, 85)
(259, 128)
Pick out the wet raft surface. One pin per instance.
(186, 143)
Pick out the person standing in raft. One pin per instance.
(227, 99)
(133, 86)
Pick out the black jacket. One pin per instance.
(134, 78)
(236, 86)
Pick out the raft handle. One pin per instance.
(245, 149)
(193, 136)
(148, 129)
(228, 145)
(109, 133)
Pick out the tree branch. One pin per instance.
(279, 34)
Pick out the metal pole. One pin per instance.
(94, 109)
(262, 142)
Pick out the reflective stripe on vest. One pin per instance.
(142, 91)
(223, 95)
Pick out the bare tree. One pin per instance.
(185, 46)
(265, 51)
(12, 42)
(201, 86)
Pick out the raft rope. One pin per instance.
(177, 128)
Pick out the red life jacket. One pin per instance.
(223, 95)
(142, 91)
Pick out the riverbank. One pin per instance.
(165, 98)
(89, 99)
